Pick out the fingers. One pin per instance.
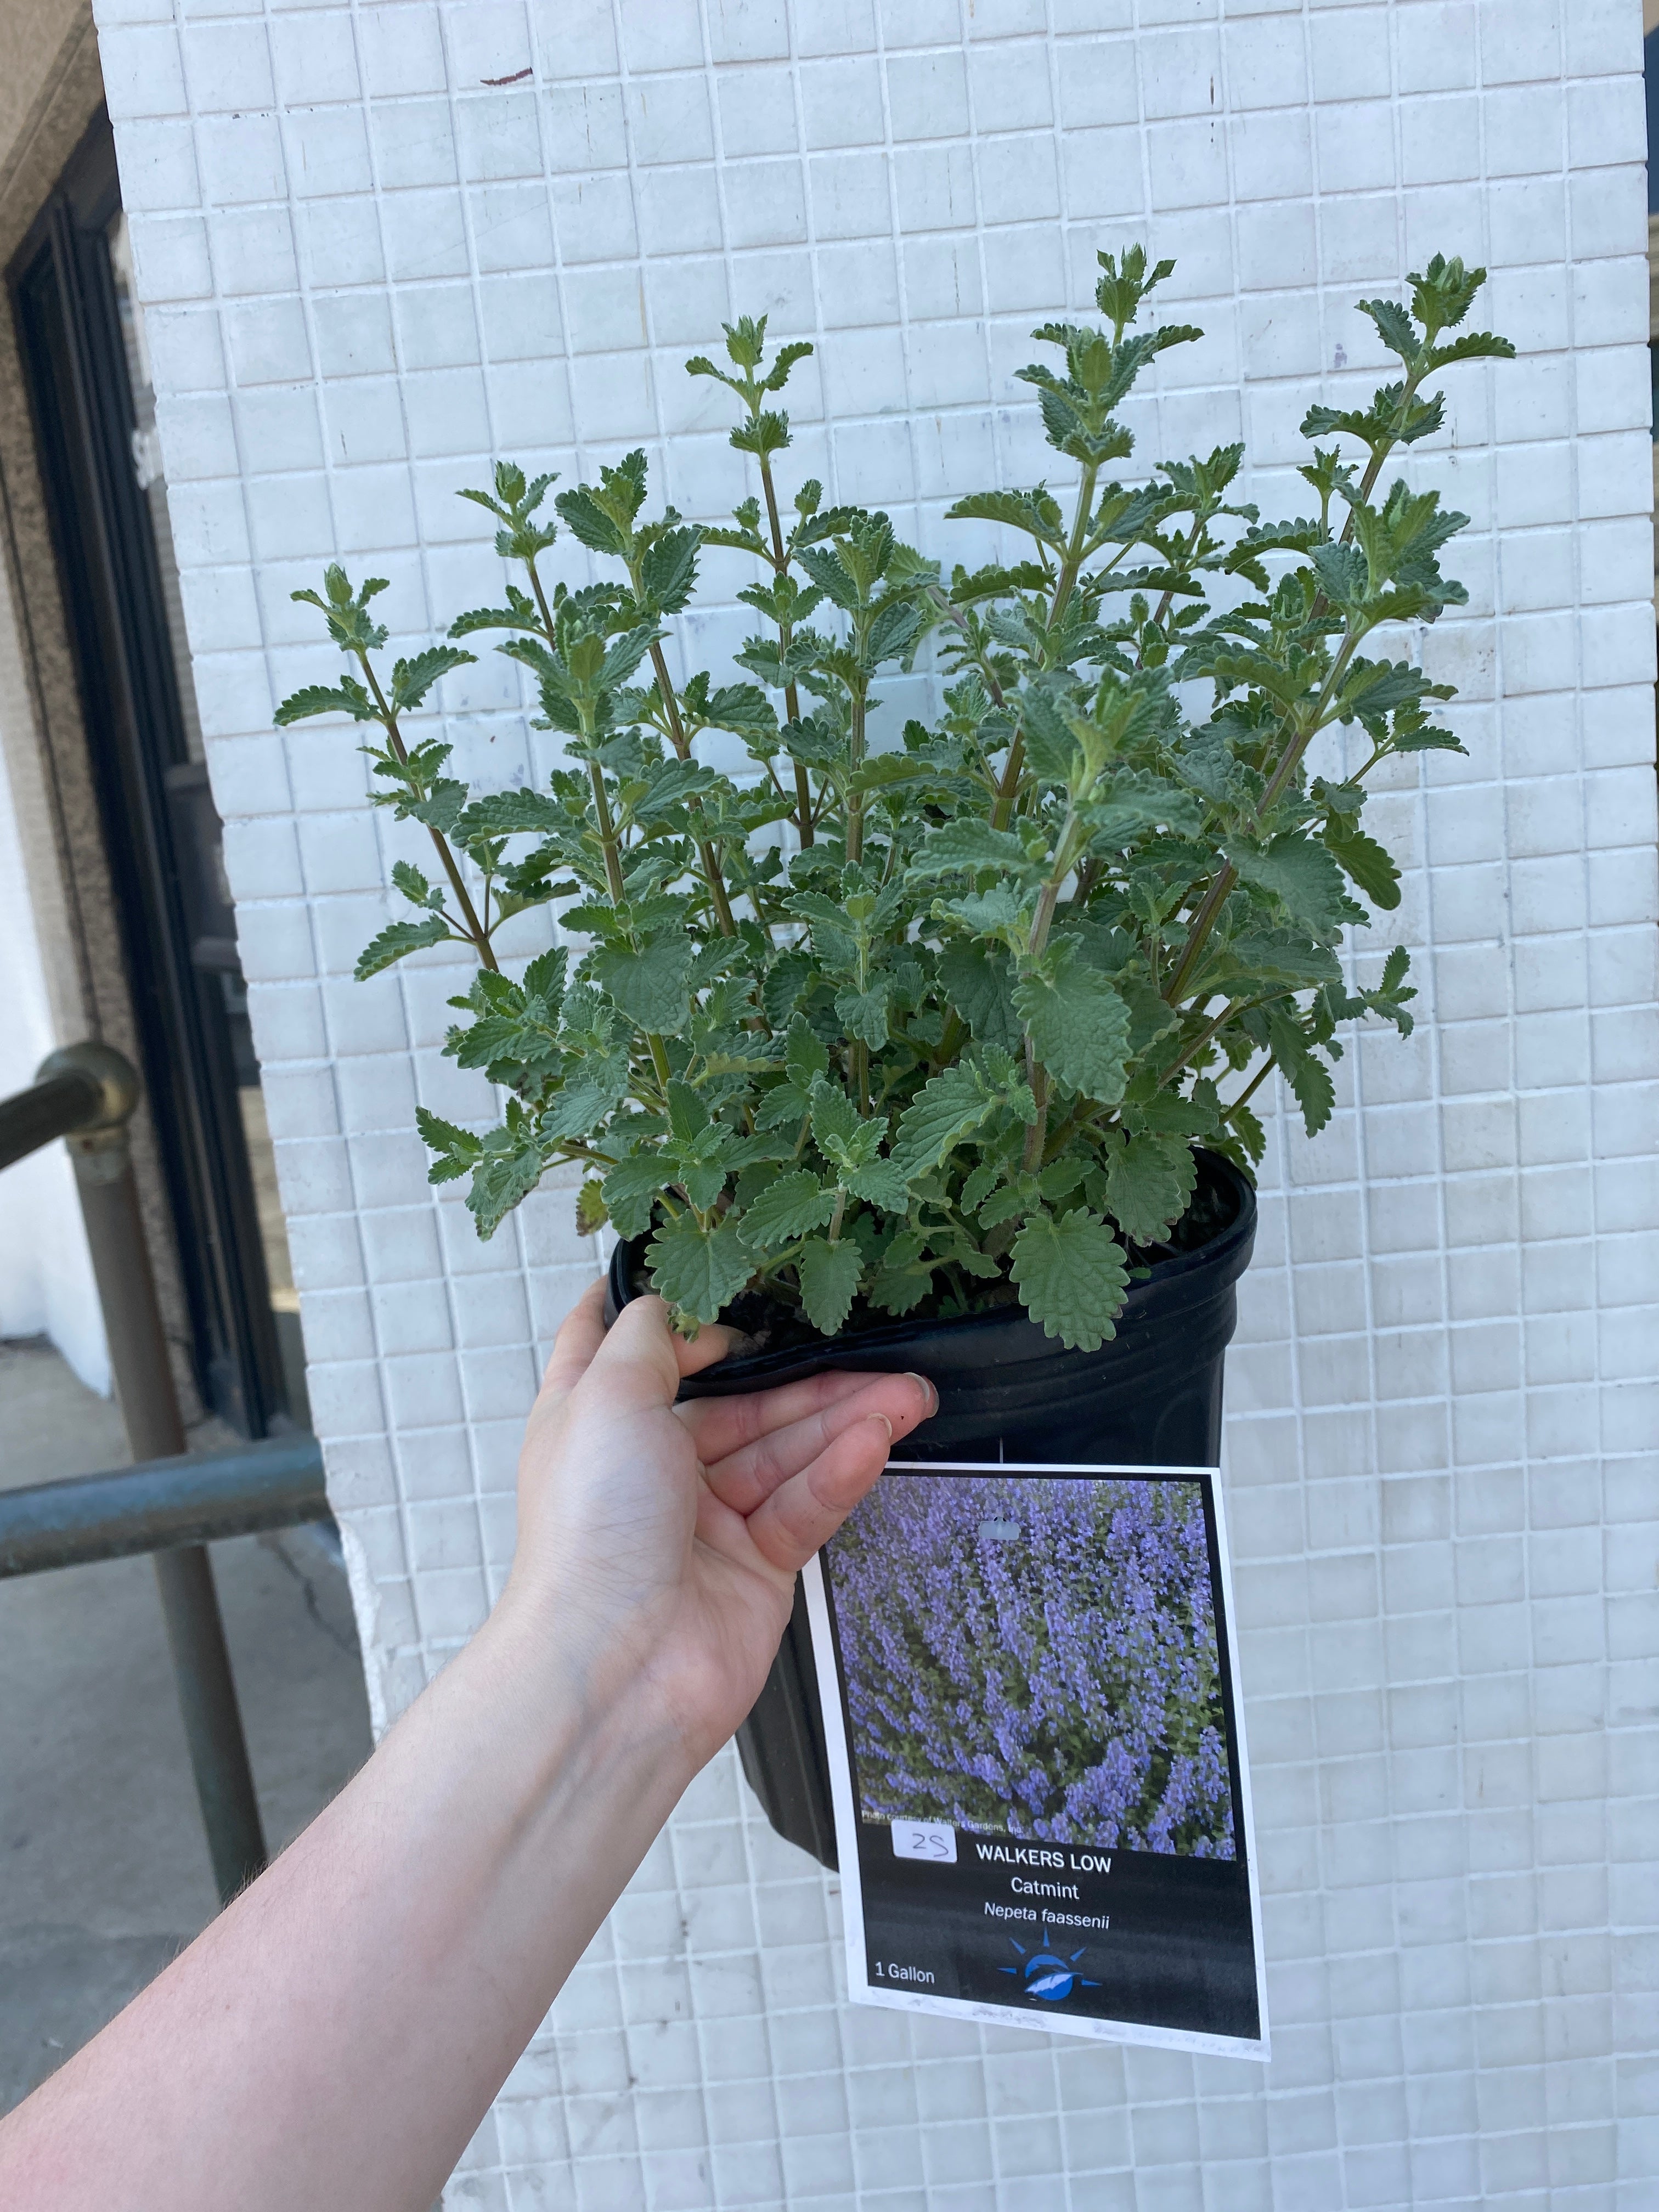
(804, 1512)
(722, 1425)
(753, 1472)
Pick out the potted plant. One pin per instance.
(934, 1047)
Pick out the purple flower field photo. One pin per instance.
(1036, 1657)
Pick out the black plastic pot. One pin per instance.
(1151, 1397)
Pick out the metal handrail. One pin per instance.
(161, 1505)
(46, 1111)
(168, 1503)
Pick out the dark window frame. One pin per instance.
(173, 923)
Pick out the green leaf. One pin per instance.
(412, 679)
(829, 1277)
(904, 1279)
(590, 522)
(879, 1182)
(806, 1054)
(411, 882)
(979, 986)
(1393, 326)
(440, 809)
(969, 844)
(1013, 1201)
(699, 1271)
(346, 697)
(865, 1012)
(508, 814)
(651, 987)
(832, 934)
(786, 980)
(995, 913)
(457, 1150)
(1426, 737)
(1050, 746)
(1309, 1078)
(1301, 875)
(544, 977)
(1035, 513)
(687, 1115)
(792, 1206)
(669, 570)
(396, 939)
(591, 1214)
(1149, 1180)
(1305, 1070)
(1078, 1026)
(632, 1188)
(1250, 1138)
(949, 1108)
(586, 1098)
(519, 613)
(1369, 864)
(624, 655)
(1072, 1277)
(745, 709)
(834, 1117)
(501, 1180)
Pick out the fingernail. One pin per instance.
(886, 1423)
(933, 1395)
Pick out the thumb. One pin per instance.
(641, 1359)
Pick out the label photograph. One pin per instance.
(1041, 1795)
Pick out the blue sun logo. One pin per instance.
(1044, 1974)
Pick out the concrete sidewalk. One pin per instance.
(104, 1870)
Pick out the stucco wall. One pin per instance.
(367, 270)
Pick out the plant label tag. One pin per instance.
(924, 1839)
(1036, 1753)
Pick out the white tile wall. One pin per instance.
(1442, 1406)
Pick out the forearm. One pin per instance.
(334, 2039)
(336, 2036)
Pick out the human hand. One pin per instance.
(659, 1544)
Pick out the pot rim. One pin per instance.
(753, 1370)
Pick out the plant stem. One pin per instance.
(478, 935)
(834, 1230)
(791, 694)
(1014, 767)
(1216, 897)
(1008, 790)
(1191, 1052)
(951, 612)
(1250, 1088)
(1036, 1135)
(613, 874)
(855, 799)
(682, 744)
(1164, 605)
(1085, 500)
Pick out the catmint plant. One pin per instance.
(927, 1017)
